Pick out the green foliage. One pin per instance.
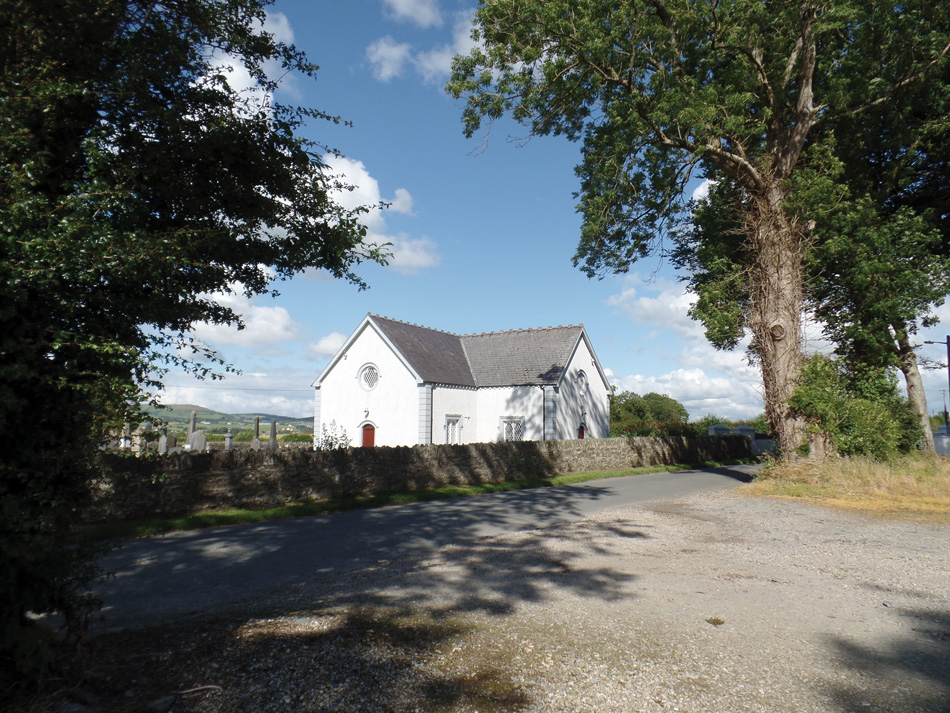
(632, 414)
(878, 251)
(136, 182)
(701, 427)
(711, 247)
(874, 272)
(861, 414)
(737, 90)
(296, 438)
(641, 427)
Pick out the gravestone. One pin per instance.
(197, 442)
(747, 431)
(272, 441)
(256, 441)
(166, 443)
(718, 430)
(228, 441)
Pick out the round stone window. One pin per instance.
(369, 377)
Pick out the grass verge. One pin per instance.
(915, 486)
(126, 529)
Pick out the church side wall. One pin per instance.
(454, 401)
(498, 404)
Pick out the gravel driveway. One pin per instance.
(718, 602)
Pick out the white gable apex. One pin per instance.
(341, 354)
(583, 339)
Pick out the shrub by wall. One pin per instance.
(186, 482)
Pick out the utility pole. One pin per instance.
(946, 416)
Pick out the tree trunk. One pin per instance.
(915, 386)
(776, 314)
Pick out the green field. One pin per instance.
(177, 417)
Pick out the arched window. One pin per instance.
(582, 383)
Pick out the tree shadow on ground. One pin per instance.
(213, 569)
(397, 634)
(736, 474)
(361, 660)
(924, 654)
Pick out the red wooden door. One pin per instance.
(369, 436)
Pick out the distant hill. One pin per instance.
(178, 415)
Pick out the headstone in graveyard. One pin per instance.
(256, 441)
(272, 441)
(197, 442)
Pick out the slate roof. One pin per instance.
(524, 356)
(435, 356)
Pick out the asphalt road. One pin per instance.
(187, 573)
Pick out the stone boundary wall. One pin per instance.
(186, 482)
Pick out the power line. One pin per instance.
(230, 388)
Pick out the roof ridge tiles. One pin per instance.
(519, 330)
(413, 324)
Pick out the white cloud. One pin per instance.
(733, 364)
(326, 346)
(435, 64)
(408, 255)
(265, 328)
(668, 309)
(701, 192)
(424, 13)
(239, 79)
(700, 393)
(708, 381)
(388, 58)
(402, 203)
(277, 24)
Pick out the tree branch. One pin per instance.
(887, 95)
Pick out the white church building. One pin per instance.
(399, 384)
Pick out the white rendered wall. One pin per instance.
(392, 405)
(454, 401)
(525, 402)
(572, 404)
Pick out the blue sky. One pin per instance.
(483, 231)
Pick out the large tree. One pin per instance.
(883, 262)
(877, 263)
(658, 91)
(138, 178)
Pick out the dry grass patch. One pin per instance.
(915, 486)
